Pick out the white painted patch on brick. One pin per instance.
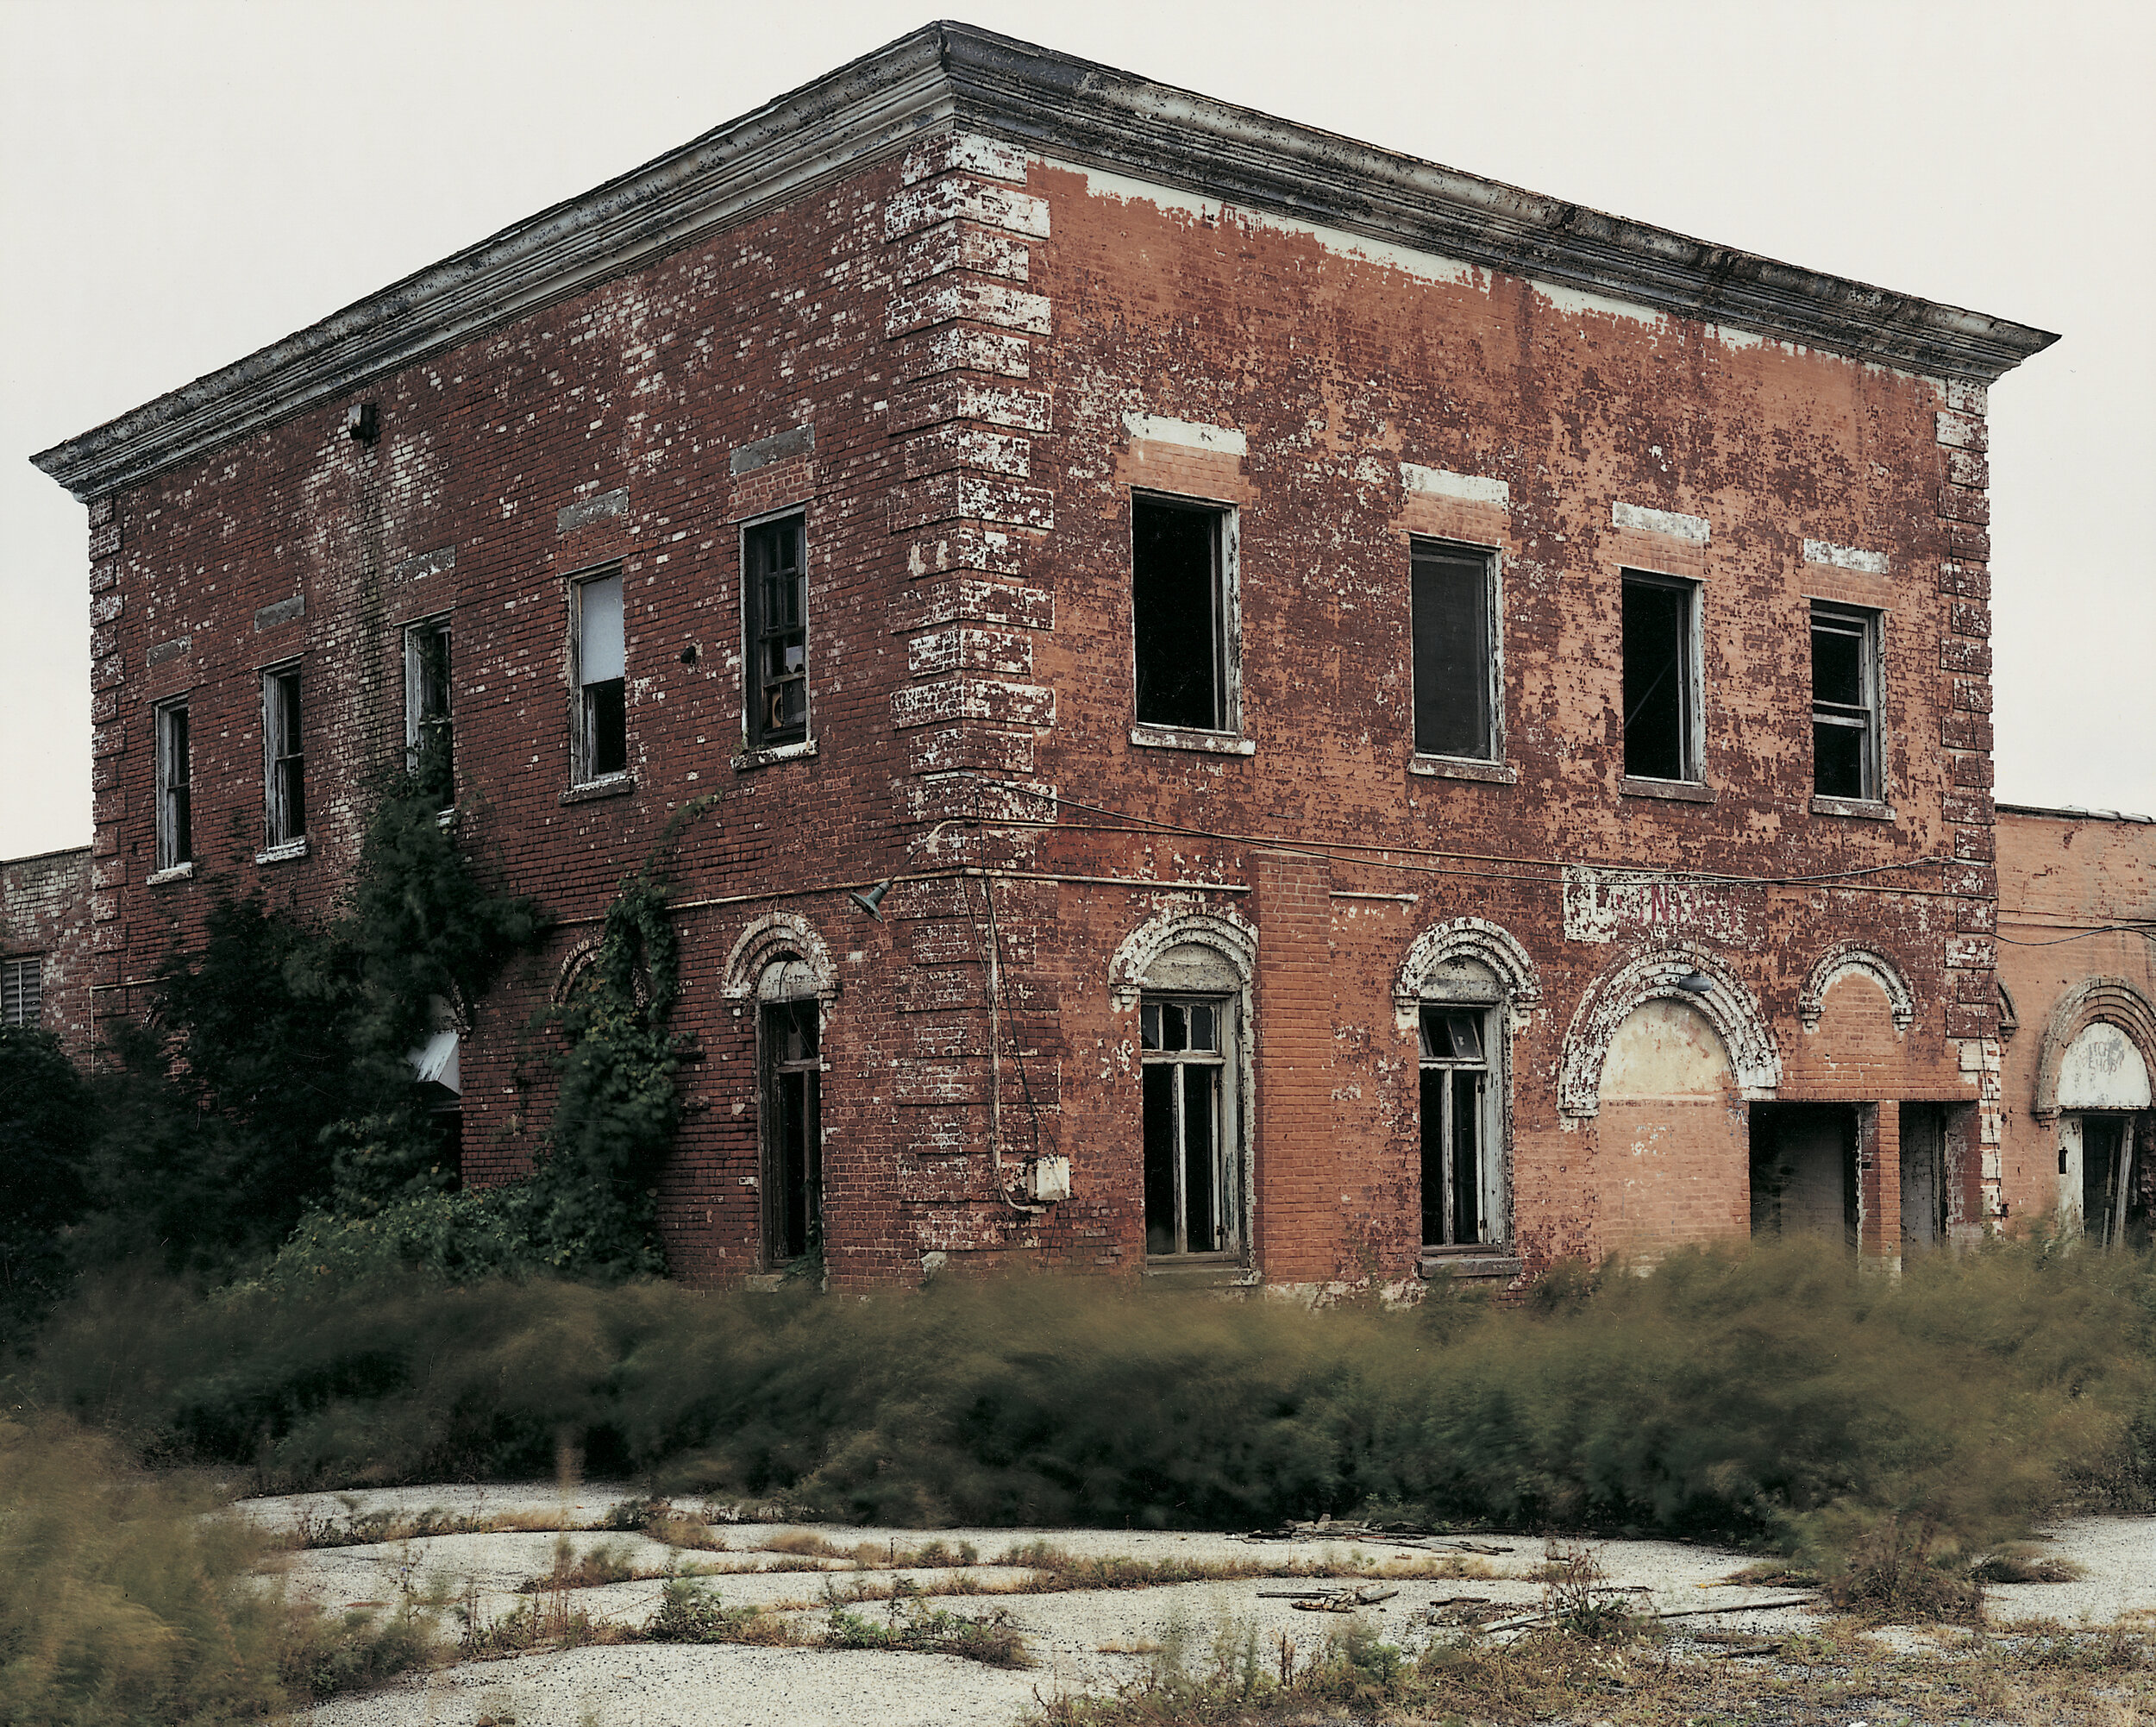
(1577, 303)
(1693, 528)
(1845, 557)
(1467, 488)
(1153, 428)
(1424, 266)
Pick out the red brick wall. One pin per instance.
(45, 914)
(965, 332)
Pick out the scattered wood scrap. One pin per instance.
(1338, 1601)
(1386, 1534)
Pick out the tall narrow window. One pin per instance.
(175, 815)
(21, 990)
(1844, 702)
(1661, 678)
(602, 721)
(1463, 1170)
(1180, 615)
(284, 759)
(429, 737)
(1455, 651)
(774, 607)
(1192, 1175)
(793, 1135)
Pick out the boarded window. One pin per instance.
(1661, 672)
(1455, 652)
(774, 603)
(1845, 703)
(429, 737)
(175, 781)
(1193, 1174)
(1463, 1175)
(1179, 615)
(602, 720)
(283, 759)
(21, 990)
(792, 1134)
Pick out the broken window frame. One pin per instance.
(174, 769)
(22, 989)
(1211, 1074)
(1689, 683)
(1489, 680)
(429, 722)
(775, 633)
(599, 721)
(1151, 708)
(790, 1135)
(2116, 1191)
(1444, 1062)
(283, 756)
(1862, 716)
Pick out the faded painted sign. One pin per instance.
(1608, 905)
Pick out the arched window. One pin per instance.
(1190, 1035)
(790, 1070)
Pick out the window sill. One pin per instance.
(614, 786)
(1864, 809)
(1461, 767)
(751, 759)
(1179, 737)
(177, 872)
(1192, 1270)
(1675, 791)
(285, 851)
(1479, 1263)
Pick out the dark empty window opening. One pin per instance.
(1926, 1196)
(774, 599)
(1454, 650)
(1804, 1170)
(1462, 1195)
(792, 1178)
(175, 783)
(1660, 667)
(602, 715)
(283, 756)
(1845, 703)
(1193, 1183)
(1179, 615)
(429, 737)
(2113, 1207)
(21, 990)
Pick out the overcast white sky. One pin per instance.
(185, 181)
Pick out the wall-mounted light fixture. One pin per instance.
(869, 901)
(1696, 983)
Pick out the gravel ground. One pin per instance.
(1080, 1640)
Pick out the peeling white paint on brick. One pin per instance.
(1154, 429)
(1845, 557)
(1693, 528)
(1427, 267)
(1467, 488)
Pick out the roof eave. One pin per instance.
(1060, 106)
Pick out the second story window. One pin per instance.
(21, 990)
(175, 772)
(1662, 673)
(1846, 703)
(1181, 614)
(429, 739)
(284, 759)
(1454, 621)
(774, 630)
(599, 747)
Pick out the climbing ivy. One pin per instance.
(593, 1198)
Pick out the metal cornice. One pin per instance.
(1067, 109)
(1096, 116)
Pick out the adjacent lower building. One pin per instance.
(46, 965)
(1283, 714)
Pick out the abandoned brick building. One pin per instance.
(1379, 723)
